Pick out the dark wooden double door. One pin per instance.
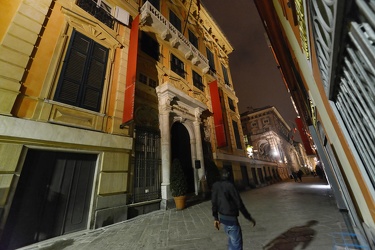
(52, 197)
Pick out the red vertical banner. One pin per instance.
(218, 115)
(305, 140)
(131, 74)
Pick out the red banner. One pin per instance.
(218, 115)
(305, 139)
(131, 75)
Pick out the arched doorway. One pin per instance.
(181, 149)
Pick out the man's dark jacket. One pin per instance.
(226, 200)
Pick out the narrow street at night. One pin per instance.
(289, 215)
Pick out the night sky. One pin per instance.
(256, 79)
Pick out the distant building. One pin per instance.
(270, 139)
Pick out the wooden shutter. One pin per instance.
(93, 86)
(82, 77)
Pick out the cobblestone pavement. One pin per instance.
(289, 216)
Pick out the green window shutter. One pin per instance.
(83, 74)
(93, 87)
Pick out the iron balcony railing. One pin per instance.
(151, 16)
(99, 12)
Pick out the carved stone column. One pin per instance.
(165, 141)
(198, 143)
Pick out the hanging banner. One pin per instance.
(131, 75)
(218, 115)
(304, 137)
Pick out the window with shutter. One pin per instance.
(177, 66)
(231, 104)
(82, 78)
(193, 39)
(211, 60)
(150, 46)
(197, 81)
(237, 134)
(225, 74)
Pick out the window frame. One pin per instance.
(150, 46)
(176, 67)
(66, 82)
(199, 84)
(236, 132)
(225, 74)
(231, 104)
(193, 39)
(175, 21)
(211, 60)
(142, 78)
(145, 79)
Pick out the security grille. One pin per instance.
(147, 166)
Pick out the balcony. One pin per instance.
(97, 11)
(152, 17)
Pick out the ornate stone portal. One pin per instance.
(176, 106)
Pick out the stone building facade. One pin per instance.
(270, 139)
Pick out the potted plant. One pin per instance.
(178, 184)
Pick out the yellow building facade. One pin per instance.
(64, 158)
(98, 97)
(182, 73)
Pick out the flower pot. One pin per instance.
(180, 202)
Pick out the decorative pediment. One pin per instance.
(86, 24)
(179, 100)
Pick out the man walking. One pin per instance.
(226, 204)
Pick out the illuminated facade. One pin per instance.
(98, 97)
(64, 158)
(325, 54)
(272, 144)
(183, 80)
